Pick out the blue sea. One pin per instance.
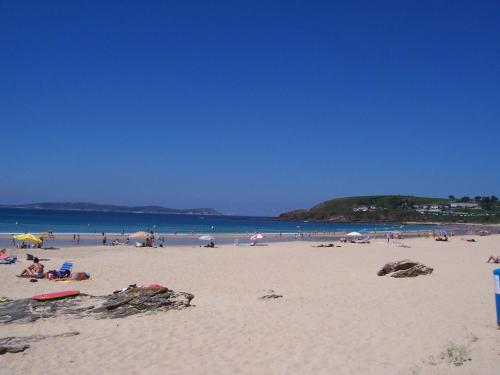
(86, 222)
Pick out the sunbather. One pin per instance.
(5, 259)
(442, 238)
(35, 270)
(493, 259)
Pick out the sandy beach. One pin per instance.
(336, 315)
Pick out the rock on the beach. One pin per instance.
(20, 344)
(129, 302)
(271, 296)
(137, 300)
(405, 268)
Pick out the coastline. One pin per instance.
(190, 239)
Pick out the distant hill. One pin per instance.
(396, 208)
(79, 206)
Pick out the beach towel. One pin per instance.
(5, 259)
(8, 260)
(37, 276)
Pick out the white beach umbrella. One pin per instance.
(140, 234)
(354, 234)
(206, 238)
(256, 236)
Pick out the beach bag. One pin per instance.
(64, 274)
(52, 274)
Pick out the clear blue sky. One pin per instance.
(250, 107)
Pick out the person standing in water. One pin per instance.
(104, 239)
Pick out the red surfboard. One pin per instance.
(151, 286)
(56, 295)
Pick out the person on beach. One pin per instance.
(150, 241)
(22, 245)
(493, 259)
(104, 239)
(35, 270)
(78, 239)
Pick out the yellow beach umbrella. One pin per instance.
(28, 238)
(140, 234)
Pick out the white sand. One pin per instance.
(336, 317)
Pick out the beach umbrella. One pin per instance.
(28, 238)
(256, 236)
(140, 234)
(354, 234)
(206, 238)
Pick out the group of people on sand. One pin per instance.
(327, 245)
(115, 242)
(150, 241)
(76, 239)
(24, 245)
(36, 271)
(443, 238)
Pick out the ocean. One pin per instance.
(85, 222)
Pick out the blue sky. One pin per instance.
(250, 107)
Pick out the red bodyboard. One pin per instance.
(56, 295)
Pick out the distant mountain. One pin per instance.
(399, 208)
(78, 206)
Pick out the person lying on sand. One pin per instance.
(329, 245)
(35, 270)
(493, 259)
(443, 238)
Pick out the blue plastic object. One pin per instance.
(67, 266)
(496, 275)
